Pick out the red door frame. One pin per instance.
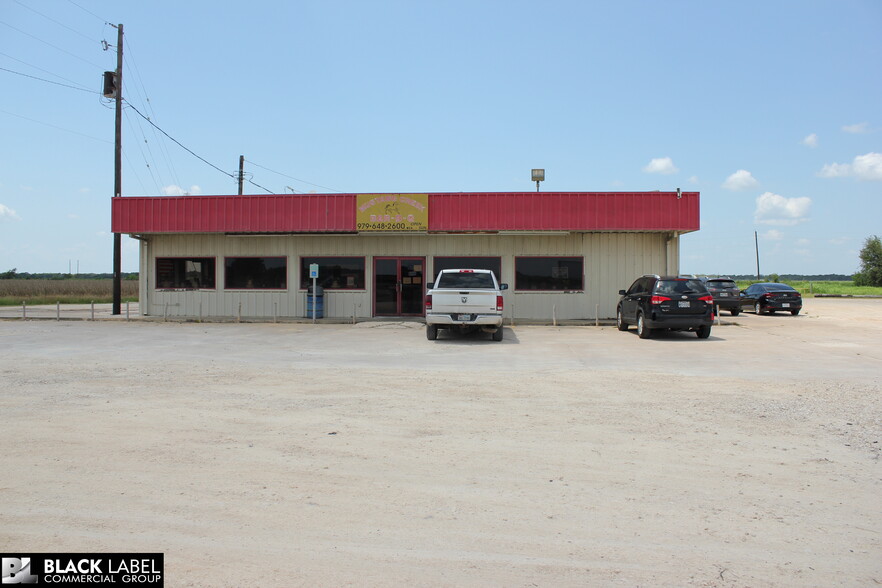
(398, 259)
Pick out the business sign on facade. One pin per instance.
(392, 212)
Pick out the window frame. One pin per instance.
(436, 269)
(306, 282)
(579, 258)
(185, 258)
(281, 288)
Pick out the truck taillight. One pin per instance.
(428, 302)
(658, 299)
(499, 303)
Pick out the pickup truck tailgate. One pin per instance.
(464, 302)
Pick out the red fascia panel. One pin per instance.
(307, 213)
(564, 211)
(448, 212)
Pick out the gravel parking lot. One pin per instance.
(365, 455)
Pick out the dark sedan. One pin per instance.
(769, 297)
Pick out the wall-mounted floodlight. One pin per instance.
(538, 176)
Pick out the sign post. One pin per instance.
(313, 273)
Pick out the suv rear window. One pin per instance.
(465, 280)
(670, 287)
(721, 284)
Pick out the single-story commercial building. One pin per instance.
(564, 255)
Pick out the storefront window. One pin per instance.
(335, 273)
(261, 273)
(185, 273)
(493, 264)
(549, 273)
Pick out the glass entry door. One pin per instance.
(398, 286)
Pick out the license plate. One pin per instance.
(723, 294)
(463, 317)
(683, 304)
(785, 305)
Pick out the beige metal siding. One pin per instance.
(611, 262)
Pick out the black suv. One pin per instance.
(670, 302)
(726, 294)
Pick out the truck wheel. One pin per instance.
(497, 334)
(431, 332)
(642, 330)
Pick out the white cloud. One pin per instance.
(864, 167)
(740, 180)
(773, 235)
(661, 165)
(693, 180)
(774, 209)
(803, 242)
(8, 213)
(811, 141)
(839, 240)
(857, 129)
(174, 190)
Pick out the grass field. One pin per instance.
(73, 291)
(812, 288)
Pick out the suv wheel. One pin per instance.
(620, 320)
(735, 311)
(642, 330)
(758, 308)
(703, 331)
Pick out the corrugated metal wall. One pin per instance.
(611, 262)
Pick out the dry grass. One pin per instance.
(71, 291)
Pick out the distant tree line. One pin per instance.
(13, 274)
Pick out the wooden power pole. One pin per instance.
(117, 175)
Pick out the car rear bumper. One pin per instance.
(780, 306)
(493, 320)
(727, 303)
(662, 321)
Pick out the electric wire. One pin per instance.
(61, 24)
(81, 89)
(150, 170)
(39, 69)
(292, 177)
(88, 12)
(190, 151)
(50, 44)
(39, 122)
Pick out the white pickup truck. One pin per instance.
(464, 299)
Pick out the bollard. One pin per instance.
(58, 311)
(24, 310)
(93, 310)
(127, 311)
(239, 316)
(554, 315)
(596, 317)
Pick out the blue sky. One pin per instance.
(772, 110)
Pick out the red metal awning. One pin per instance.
(448, 212)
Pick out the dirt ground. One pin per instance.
(365, 455)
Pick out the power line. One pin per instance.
(88, 12)
(49, 44)
(37, 68)
(61, 24)
(81, 89)
(191, 152)
(292, 177)
(55, 127)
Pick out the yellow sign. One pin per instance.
(392, 212)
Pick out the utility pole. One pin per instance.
(241, 172)
(756, 244)
(117, 175)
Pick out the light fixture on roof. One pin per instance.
(538, 176)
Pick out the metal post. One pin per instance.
(93, 310)
(58, 311)
(24, 310)
(127, 311)
(314, 280)
(241, 172)
(756, 243)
